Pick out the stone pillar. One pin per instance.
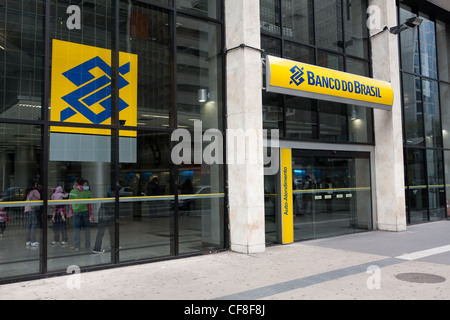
(244, 112)
(389, 167)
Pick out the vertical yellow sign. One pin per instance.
(287, 212)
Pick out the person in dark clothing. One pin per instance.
(105, 221)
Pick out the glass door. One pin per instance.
(331, 193)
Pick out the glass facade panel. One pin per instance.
(356, 32)
(358, 67)
(298, 20)
(445, 113)
(199, 76)
(332, 194)
(428, 60)
(409, 43)
(330, 60)
(206, 8)
(270, 16)
(272, 111)
(297, 52)
(146, 194)
(328, 24)
(333, 121)
(431, 111)
(413, 110)
(146, 33)
(104, 184)
(21, 59)
(417, 194)
(443, 48)
(21, 181)
(301, 118)
(436, 190)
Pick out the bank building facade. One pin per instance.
(139, 131)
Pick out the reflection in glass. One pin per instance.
(409, 43)
(356, 32)
(21, 59)
(445, 113)
(358, 67)
(198, 69)
(330, 61)
(20, 221)
(272, 111)
(328, 24)
(301, 118)
(443, 48)
(417, 195)
(333, 121)
(413, 109)
(270, 16)
(271, 208)
(428, 48)
(299, 53)
(146, 33)
(332, 195)
(298, 20)
(207, 8)
(431, 111)
(436, 190)
(200, 207)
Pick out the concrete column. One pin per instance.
(389, 167)
(244, 111)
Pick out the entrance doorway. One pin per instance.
(331, 193)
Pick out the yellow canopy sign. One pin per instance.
(309, 81)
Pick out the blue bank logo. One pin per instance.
(297, 75)
(92, 91)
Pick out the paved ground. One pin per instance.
(362, 266)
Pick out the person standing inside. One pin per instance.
(59, 217)
(32, 214)
(80, 213)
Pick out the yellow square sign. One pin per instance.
(81, 88)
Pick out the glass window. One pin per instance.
(330, 60)
(409, 43)
(333, 121)
(413, 110)
(207, 8)
(271, 46)
(298, 20)
(147, 200)
(443, 44)
(146, 35)
(21, 181)
(199, 76)
(331, 194)
(436, 190)
(272, 106)
(297, 52)
(21, 59)
(428, 48)
(200, 206)
(356, 31)
(328, 23)
(301, 118)
(360, 124)
(270, 16)
(80, 178)
(445, 113)
(417, 195)
(432, 119)
(358, 67)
